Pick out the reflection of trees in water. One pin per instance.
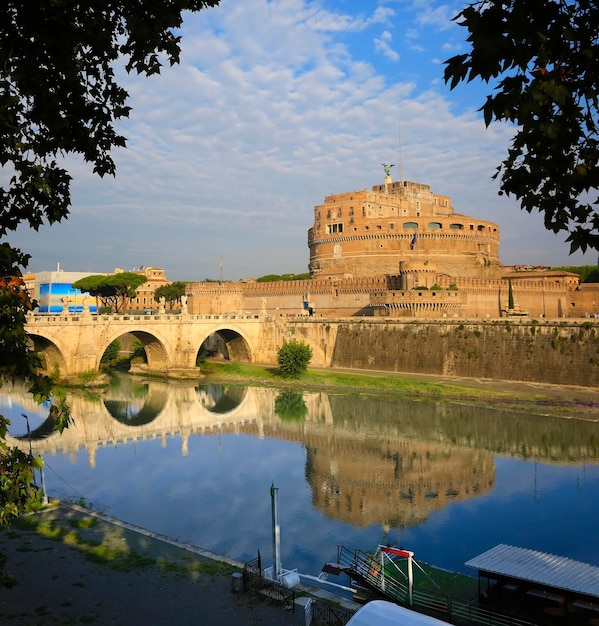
(133, 402)
(290, 406)
(499, 431)
(220, 398)
(125, 386)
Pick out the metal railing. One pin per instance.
(364, 568)
(264, 588)
(320, 613)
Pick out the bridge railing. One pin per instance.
(52, 320)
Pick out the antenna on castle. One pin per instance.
(400, 162)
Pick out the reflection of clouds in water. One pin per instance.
(37, 415)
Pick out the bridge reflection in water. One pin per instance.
(370, 463)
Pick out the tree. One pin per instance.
(114, 290)
(18, 491)
(510, 296)
(294, 358)
(543, 61)
(171, 293)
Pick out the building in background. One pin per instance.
(399, 250)
(144, 301)
(54, 292)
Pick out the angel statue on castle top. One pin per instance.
(387, 168)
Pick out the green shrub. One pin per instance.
(294, 357)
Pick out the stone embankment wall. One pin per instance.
(555, 352)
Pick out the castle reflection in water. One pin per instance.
(369, 460)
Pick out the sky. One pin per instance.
(275, 105)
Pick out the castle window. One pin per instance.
(378, 227)
(340, 213)
(329, 214)
(456, 226)
(471, 226)
(351, 210)
(434, 225)
(335, 228)
(410, 225)
(480, 228)
(392, 226)
(351, 220)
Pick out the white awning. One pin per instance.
(540, 568)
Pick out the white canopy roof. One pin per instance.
(383, 613)
(539, 567)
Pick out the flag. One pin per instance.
(413, 242)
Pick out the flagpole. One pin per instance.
(400, 161)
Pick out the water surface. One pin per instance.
(447, 481)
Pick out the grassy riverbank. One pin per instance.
(571, 402)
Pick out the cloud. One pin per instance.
(382, 44)
(274, 106)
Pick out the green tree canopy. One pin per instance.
(114, 290)
(269, 278)
(171, 293)
(58, 93)
(586, 273)
(542, 60)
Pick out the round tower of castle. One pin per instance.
(370, 232)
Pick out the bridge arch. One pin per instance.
(154, 347)
(236, 345)
(52, 355)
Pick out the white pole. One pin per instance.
(410, 580)
(276, 534)
(43, 481)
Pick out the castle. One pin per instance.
(400, 250)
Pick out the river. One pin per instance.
(196, 462)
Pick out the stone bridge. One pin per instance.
(72, 344)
